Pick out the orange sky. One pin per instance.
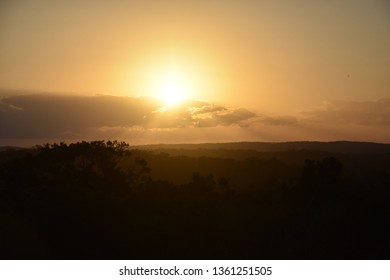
(316, 64)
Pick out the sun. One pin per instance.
(175, 75)
(172, 85)
(173, 88)
(171, 81)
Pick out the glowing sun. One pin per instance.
(173, 88)
(172, 79)
(172, 85)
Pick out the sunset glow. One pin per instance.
(172, 87)
(269, 70)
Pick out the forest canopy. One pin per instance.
(107, 200)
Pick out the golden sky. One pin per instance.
(306, 64)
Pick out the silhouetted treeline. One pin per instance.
(101, 200)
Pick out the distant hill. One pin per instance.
(5, 148)
(338, 147)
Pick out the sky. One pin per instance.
(194, 71)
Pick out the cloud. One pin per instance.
(235, 116)
(5, 107)
(49, 115)
(37, 118)
(222, 116)
(208, 108)
(278, 120)
(351, 112)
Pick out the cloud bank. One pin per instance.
(44, 115)
(142, 120)
(352, 112)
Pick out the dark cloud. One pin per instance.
(5, 107)
(52, 115)
(48, 115)
(352, 112)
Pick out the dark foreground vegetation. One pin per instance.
(100, 200)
